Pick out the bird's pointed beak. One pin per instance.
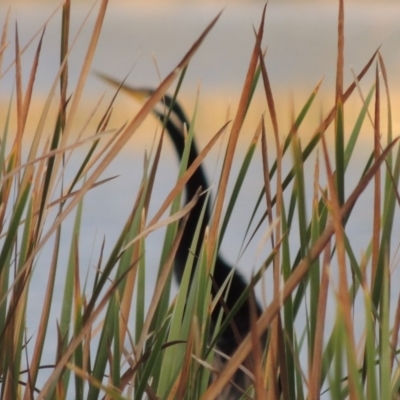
(139, 93)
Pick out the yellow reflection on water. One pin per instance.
(213, 110)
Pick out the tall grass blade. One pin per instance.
(233, 138)
(296, 277)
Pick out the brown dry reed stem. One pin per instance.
(165, 273)
(389, 129)
(279, 155)
(131, 278)
(160, 224)
(362, 97)
(138, 349)
(36, 206)
(388, 100)
(316, 368)
(233, 138)
(65, 23)
(272, 356)
(126, 133)
(267, 182)
(323, 125)
(41, 334)
(337, 194)
(111, 393)
(187, 174)
(127, 296)
(23, 102)
(183, 377)
(50, 97)
(52, 153)
(75, 100)
(30, 41)
(344, 301)
(257, 352)
(76, 341)
(339, 120)
(340, 57)
(331, 116)
(377, 183)
(268, 94)
(16, 151)
(296, 277)
(85, 69)
(274, 121)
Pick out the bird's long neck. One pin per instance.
(197, 180)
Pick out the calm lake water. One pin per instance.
(300, 36)
(301, 41)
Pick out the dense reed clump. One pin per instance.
(327, 326)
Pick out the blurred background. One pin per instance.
(146, 39)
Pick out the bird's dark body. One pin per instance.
(228, 341)
(174, 120)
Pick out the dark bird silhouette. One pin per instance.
(229, 339)
(174, 119)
